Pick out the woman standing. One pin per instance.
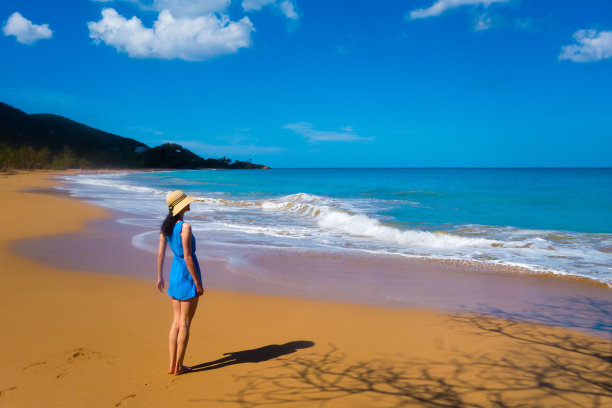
(185, 284)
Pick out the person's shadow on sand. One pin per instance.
(254, 356)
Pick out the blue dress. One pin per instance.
(181, 285)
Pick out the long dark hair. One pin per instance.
(168, 224)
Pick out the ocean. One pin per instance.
(555, 221)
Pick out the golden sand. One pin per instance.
(80, 339)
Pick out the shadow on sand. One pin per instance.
(588, 315)
(254, 356)
(538, 366)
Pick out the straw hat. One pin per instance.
(177, 201)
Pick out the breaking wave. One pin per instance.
(361, 225)
(323, 222)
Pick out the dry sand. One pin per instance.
(83, 339)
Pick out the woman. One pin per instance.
(185, 284)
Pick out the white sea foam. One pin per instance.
(361, 225)
(111, 183)
(146, 241)
(324, 223)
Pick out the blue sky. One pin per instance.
(295, 83)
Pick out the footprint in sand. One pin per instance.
(80, 352)
(35, 364)
(62, 374)
(172, 382)
(124, 401)
(74, 355)
(4, 392)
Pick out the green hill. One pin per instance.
(46, 140)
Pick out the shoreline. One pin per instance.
(79, 338)
(414, 283)
(520, 270)
(407, 283)
(134, 260)
(518, 264)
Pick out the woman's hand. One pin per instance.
(199, 290)
(161, 254)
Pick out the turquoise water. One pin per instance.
(545, 220)
(559, 199)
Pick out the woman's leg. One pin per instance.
(174, 330)
(188, 309)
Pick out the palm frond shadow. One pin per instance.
(543, 367)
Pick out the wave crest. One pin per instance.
(361, 225)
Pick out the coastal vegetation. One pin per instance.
(41, 141)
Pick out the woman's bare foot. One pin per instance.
(182, 370)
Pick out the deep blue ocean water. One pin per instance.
(544, 220)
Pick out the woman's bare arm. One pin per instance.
(161, 255)
(186, 239)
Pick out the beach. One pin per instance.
(90, 336)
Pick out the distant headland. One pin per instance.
(37, 141)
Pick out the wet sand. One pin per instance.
(97, 339)
(397, 283)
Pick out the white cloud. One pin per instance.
(592, 45)
(194, 8)
(142, 129)
(191, 39)
(287, 7)
(142, 4)
(191, 8)
(211, 150)
(483, 22)
(24, 30)
(440, 6)
(249, 5)
(525, 24)
(307, 130)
